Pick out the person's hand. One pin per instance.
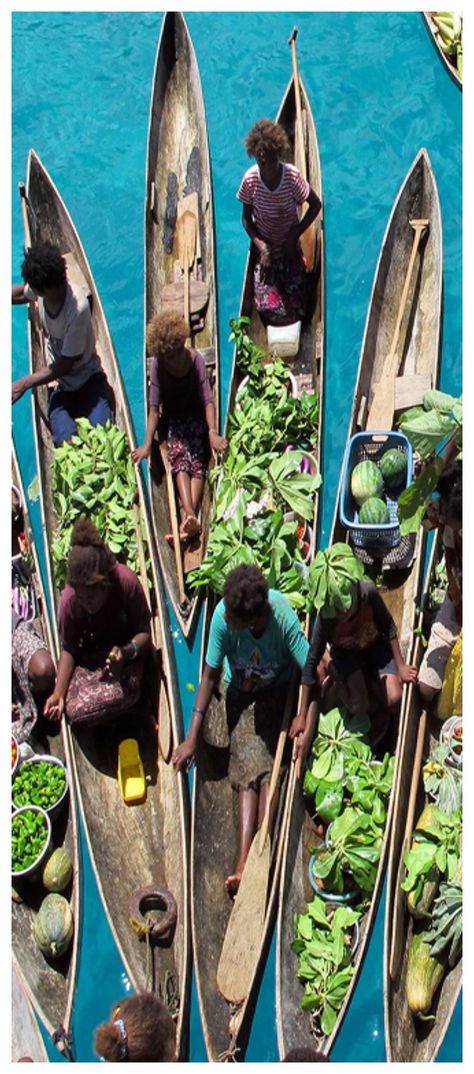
(18, 389)
(218, 443)
(265, 259)
(408, 673)
(54, 706)
(183, 755)
(140, 453)
(115, 661)
(297, 726)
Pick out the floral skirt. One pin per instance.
(25, 643)
(280, 290)
(95, 696)
(188, 446)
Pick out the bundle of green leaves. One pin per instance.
(436, 846)
(262, 478)
(333, 578)
(429, 428)
(94, 476)
(443, 780)
(323, 945)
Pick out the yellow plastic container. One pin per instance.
(131, 774)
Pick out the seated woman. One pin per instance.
(354, 647)
(271, 192)
(141, 1030)
(256, 636)
(104, 623)
(445, 514)
(180, 389)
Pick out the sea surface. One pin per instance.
(81, 88)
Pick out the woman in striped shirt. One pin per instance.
(271, 192)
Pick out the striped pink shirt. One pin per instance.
(274, 211)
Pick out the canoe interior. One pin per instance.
(178, 165)
(421, 334)
(166, 806)
(135, 846)
(26, 1036)
(408, 1039)
(49, 984)
(450, 67)
(214, 851)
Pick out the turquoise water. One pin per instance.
(81, 85)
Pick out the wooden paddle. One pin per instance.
(174, 522)
(383, 403)
(186, 239)
(164, 722)
(399, 903)
(245, 926)
(308, 238)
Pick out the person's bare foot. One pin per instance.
(170, 539)
(232, 884)
(190, 527)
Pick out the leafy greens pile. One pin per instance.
(323, 946)
(263, 477)
(94, 476)
(429, 429)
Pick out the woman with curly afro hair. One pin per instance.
(141, 1030)
(271, 191)
(104, 624)
(255, 635)
(181, 393)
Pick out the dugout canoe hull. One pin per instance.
(178, 164)
(417, 197)
(410, 1040)
(26, 1036)
(49, 986)
(144, 844)
(450, 67)
(215, 816)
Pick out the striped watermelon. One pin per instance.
(366, 481)
(374, 512)
(393, 467)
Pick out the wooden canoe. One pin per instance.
(48, 985)
(178, 166)
(410, 1040)
(26, 1036)
(143, 845)
(447, 60)
(214, 825)
(417, 197)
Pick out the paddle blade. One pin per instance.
(243, 937)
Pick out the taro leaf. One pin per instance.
(413, 501)
(441, 401)
(426, 430)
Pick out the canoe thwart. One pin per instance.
(410, 389)
(172, 295)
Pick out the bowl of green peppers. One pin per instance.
(31, 841)
(41, 781)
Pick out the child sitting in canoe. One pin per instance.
(354, 639)
(180, 391)
(271, 191)
(104, 623)
(256, 636)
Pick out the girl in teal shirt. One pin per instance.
(256, 638)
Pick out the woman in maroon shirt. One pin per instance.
(180, 388)
(104, 623)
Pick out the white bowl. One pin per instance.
(31, 870)
(54, 809)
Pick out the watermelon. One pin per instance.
(393, 467)
(374, 512)
(366, 481)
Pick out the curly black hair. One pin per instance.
(43, 267)
(266, 137)
(90, 561)
(142, 1027)
(246, 592)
